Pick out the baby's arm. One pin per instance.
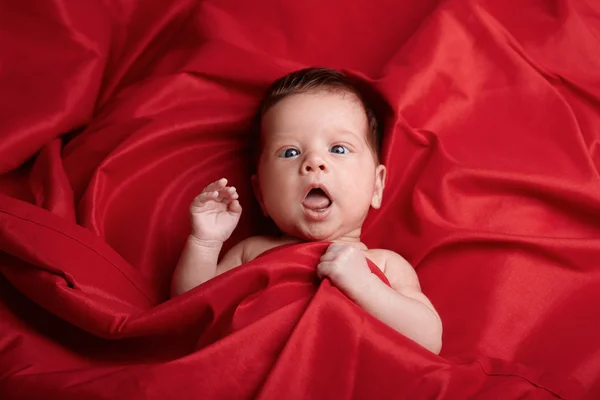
(420, 321)
(402, 306)
(198, 263)
(215, 214)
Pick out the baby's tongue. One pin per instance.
(316, 201)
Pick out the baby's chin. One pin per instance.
(316, 234)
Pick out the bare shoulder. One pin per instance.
(242, 252)
(256, 245)
(397, 270)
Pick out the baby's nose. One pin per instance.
(314, 167)
(313, 164)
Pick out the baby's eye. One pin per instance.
(289, 153)
(338, 149)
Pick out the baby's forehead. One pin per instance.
(331, 95)
(316, 108)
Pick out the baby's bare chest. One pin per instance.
(257, 248)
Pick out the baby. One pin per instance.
(318, 175)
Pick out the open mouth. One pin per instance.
(317, 200)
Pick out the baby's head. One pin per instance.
(318, 171)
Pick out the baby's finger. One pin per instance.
(228, 193)
(235, 207)
(204, 197)
(233, 193)
(321, 270)
(225, 200)
(329, 256)
(209, 195)
(325, 268)
(335, 247)
(216, 185)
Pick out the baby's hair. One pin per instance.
(310, 80)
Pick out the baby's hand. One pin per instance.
(346, 267)
(215, 212)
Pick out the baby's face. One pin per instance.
(317, 176)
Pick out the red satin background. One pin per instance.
(114, 114)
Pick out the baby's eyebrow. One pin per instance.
(282, 141)
(353, 135)
(349, 133)
(283, 137)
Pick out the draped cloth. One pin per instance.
(115, 114)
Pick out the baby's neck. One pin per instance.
(351, 239)
(353, 242)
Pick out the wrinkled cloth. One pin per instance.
(115, 114)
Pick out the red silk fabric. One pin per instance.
(115, 114)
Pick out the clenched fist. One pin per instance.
(215, 212)
(346, 267)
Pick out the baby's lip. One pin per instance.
(317, 215)
(317, 185)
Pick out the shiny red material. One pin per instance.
(115, 114)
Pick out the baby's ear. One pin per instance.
(258, 194)
(380, 173)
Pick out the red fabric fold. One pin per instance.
(114, 115)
